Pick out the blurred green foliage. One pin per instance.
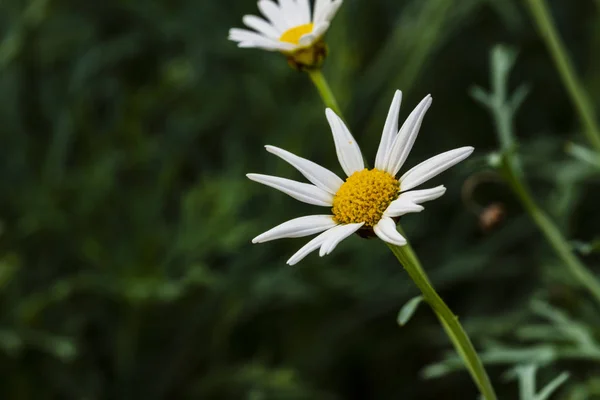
(126, 269)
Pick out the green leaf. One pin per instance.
(583, 154)
(503, 59)
(407, 311)
(479, 94)
(519, 96)
(552, 386)
(527, 382)
(586, 248)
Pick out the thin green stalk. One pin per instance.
(324, 90)
(553, 235)
(503, 108)
(449, 321)
(409, 260)
(579, 97)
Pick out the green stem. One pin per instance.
(412, 265)
(324, 90)
(553, 235)
(582, 103)
(449, 321)
(503, 110)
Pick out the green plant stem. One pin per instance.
(409, 260)
(553, 235)
(503, 110)
(324, 90)
(579, 97)
(407, 257)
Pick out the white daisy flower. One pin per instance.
(288, 26)
(369, 199)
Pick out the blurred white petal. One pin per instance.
(320, 8)
(261, 26)
(273, 13)
(304, 11)
(290, 12)
(332, 10)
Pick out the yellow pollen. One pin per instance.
(364, 197)
(293, 35)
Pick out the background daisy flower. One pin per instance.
(369, 199)
(287, 26)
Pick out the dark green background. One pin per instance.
(126, 268)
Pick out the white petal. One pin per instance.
(308, 248)
(432, 167)
(320, 29)
(423, 195)
(307, 39)
(298, 227)
(290, 12)
(266, 44)
(333, 9)
(319, 176)
(402, 206)
(320, 8)
(408, 202)
(273, 13)
(284, 46)
(240, 35)
(261, 26)
(246, 38)
(390, 129)
(406, 137)
(257, 45)
(304, 11)
(336, 235)
(386, 231)
(346, 147)
(300, 191)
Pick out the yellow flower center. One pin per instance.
(293, 35)
(364, 197)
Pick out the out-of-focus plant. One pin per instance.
(557, 338)
(503, 108)
(579, 97)
(528, 386)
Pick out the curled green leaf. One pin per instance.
(408, 309)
